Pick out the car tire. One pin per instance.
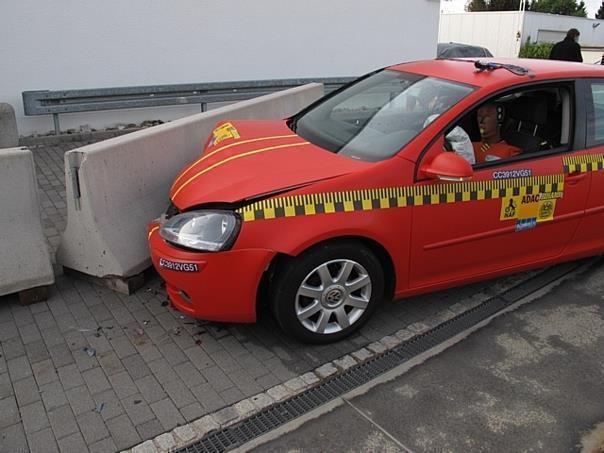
(328, 292)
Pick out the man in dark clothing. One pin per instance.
(567, 49)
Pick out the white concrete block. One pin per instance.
(345, 362)
(390, 341)
(244, 408)
(362, 354)
(24, 256)
(295, 384)
(418, 327)
(184, 433)
(205, 424)
(326, 370)
(116, 187)
(376, 347)
(146, 447)
(262, 400)
(165, 442)
(279, 392)
(310, 378)
(404, 334)
(9, 136)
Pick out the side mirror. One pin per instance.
(448, 166)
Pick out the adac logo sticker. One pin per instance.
(224, 132)
(526, 224)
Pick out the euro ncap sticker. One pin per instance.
(546, 210)
(223, 132)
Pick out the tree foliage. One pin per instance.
(600, 13)
(563, 7)
(493, 5)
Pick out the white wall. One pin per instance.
(497, 31)
(590, 36)
(539, 25)
(493, 29)
(67, 44)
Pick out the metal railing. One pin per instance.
(45, 102)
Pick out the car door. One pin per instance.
(589, 237)
(511, 213)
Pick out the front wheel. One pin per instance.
(328, 292)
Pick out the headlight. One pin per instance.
(202, 230)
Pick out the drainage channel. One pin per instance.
(281, 413)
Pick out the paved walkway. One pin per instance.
(94, 370)
(533, 381)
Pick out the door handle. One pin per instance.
(575, 178)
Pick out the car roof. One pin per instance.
(462, 70)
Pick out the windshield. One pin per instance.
(376, 117)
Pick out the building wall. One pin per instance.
(540, 27)
(497, 31)
(68, 44)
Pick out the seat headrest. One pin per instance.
(528, 108)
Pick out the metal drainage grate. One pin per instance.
(281, 413)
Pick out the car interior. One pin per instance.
(533, 120)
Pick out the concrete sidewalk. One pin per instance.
(531, 381)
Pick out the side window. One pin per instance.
(595, 119)
(517, 124)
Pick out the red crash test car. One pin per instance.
(413, 178)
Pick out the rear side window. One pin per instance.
(595, 123)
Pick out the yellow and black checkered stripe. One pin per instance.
(399, 197)
(583, 164)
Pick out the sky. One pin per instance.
(458, 5)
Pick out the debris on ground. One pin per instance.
(79, 329)
(90, 351)
(593, 442)
(99, 407)
(165, 303)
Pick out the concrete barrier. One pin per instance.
(9, 136)
(24, 255)
(115, 187)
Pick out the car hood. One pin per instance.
(248, 159)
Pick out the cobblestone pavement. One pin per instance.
(93, 370)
